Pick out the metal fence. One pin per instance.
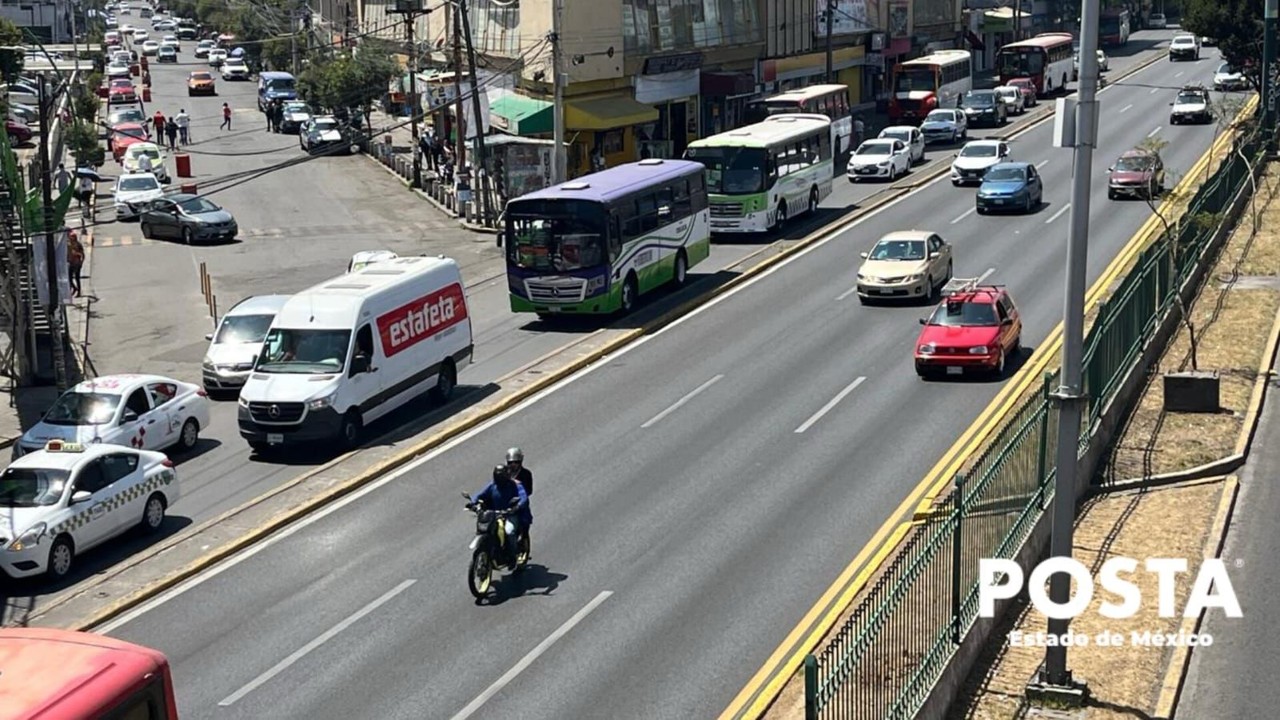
(884, 660)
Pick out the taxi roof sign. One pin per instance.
(63, 446)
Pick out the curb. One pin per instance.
(461, 223)
(412, 452)
(1175, 676)
(1244, 442)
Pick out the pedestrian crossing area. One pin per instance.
(315, 232)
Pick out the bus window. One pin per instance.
(682, 205)
(615, 238)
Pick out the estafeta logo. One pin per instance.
(410, 324)
(1000, 579)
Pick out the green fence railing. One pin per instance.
(884, 660)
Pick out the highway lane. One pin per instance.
(673, 547)
(300, 226)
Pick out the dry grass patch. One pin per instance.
(1124, 681)
(1233, 322)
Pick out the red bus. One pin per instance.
(1113, 27)
(1046, 59)
(49, 674)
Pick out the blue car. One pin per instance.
(1010, 186)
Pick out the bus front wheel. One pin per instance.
(682, 269)
(629, 292)
(813, 201)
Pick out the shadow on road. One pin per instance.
(534, 580)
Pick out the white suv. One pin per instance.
(1184, 47)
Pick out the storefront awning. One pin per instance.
(607, 112)
(523, 115)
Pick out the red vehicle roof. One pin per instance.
(47, 673)
(961, 335)
(1046, 40)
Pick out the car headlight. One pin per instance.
(978, 350)
(861, 276)
(914, 278)
(29, 538)
(927, 349)
(884, 164)
(207, 364)
(321, 403)
(243, 403)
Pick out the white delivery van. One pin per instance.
(343, 353)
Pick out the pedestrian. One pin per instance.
(84, 190)
(158, 121)
(226, 117)
(859, 131)
(75, 261)
(427, 147)
(62, 178)
(278, 115)
(171, 130)
(270, 112)
(146, 78)
(183, 121)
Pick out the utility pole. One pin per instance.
(831, 15)
(1270, 73)
(1070, 397)
(459, 132)
(346, 26)
(480, 164)
(559, 160)
(54, 309)
(1017, 20)
(414, 105)
(293, 40)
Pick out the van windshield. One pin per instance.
(304, 352)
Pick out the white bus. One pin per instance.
(762, 174)
(925, 84)
(829, 100)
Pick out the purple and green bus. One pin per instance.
(596, 244)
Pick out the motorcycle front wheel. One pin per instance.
(480, 574)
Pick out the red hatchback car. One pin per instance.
(973, 330)
(122, 91)
(125, 134)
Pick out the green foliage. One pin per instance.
(10, 62)
(346, 81)
(276, 54)
(10, 33)
(85, 101)
(82, 142)
(1235, 24)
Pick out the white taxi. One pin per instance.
(148, 412)
(58, 502)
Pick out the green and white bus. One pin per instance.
(760, 175)
(596, 244)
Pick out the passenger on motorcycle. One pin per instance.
(499, 495)
(515, 466)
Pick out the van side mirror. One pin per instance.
(360, 364)
(80, 496)
(129, 416)
(923, 321)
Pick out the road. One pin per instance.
(1231, 679)
(300, 225)
(696, 492)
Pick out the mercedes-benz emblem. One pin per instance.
(555, 292)
(274, 411)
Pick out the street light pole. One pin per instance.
(413, 100)
(1070, 397)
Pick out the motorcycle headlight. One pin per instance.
(978, 350)
(28, 539)
(321, 403)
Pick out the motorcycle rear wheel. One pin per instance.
(480, 574)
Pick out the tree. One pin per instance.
(348, 81)
(1236, 25)
(82, 143)
(10, 36)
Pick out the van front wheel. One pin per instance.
(446, 381)
(349, 433)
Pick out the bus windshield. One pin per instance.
(1025, 62)
(556, 236)
(920, 79)
(731, 170)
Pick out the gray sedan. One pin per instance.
(188, 218)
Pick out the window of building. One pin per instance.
(676, 25)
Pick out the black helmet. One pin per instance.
(500, 473)
(515, 454)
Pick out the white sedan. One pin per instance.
(910, 135)
(133, 191)
(975, 159)
(879, 159)
(139, 35)
(1013, 98)
(148, 412)
(150, 48)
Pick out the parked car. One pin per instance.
(188, 218)
(203, 47)
(237, 342)
(122, 91)
(1010, 186)
(1137, 173)
(123, 135)
(216, 57)
(879, 159)
(323, 132)
(1157, 21)
(910, 136)
(235, 69)
(132, 160)
(19, 132)
(295, 114)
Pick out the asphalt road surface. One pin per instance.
(300, 225)
(1231, 679)
(695, 492)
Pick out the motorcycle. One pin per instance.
(489, 548)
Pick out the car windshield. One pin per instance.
(243, 329)
(940, 116)
(1005, 174)
(1184, 41)
(1012, 92)
(137, 184)
(964, 314)
(295, 107)
(898, 250)
(903, 135)
(915, 79)
(1134, 163)
(77, 408)
(325, 125)
(201, 76)
(1190, 98)
(557, 236)
(198, 205)
(32, 487)
(978, 100)
(982, 151)
(280, 84)
(731, 170)
(304, 352)
(122, 116)
(138, 151)
(1226, 69)
(875, 148)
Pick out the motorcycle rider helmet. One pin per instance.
(515, 455)
(500, 473)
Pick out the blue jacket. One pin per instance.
(499, 497)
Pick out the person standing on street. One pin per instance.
(75, 261)
(183, 121)
(171, 130)
(226, 117)
(277, 115)
(62, 178)
(270, 112)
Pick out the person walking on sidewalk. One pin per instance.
(84, 188)
(183, 121)
(171, 130)
(226, 117)
(62, 178)
(75, 261)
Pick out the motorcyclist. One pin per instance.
(504, 493)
